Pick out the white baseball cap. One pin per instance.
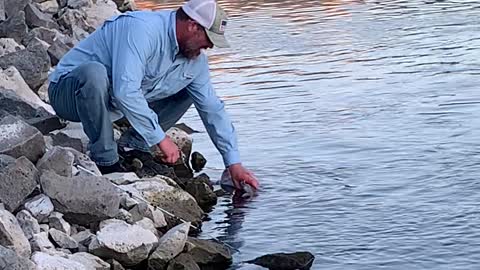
(212, 17)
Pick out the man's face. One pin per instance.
(196, 41)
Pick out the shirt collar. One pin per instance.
(173, 33)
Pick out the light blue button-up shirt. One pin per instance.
(141, 54)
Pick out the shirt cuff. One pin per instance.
(155, 138)
(231, 157)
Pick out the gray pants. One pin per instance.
(82, 96)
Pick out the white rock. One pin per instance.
(97, 14)
(182, 139)
(50, 6)
(44, 227)
(158, 218)
(124, 215)
(90, 261)
(46, 261)
(43, 90)
(147, 224)
(28, 223)
(40, 242)
(128, 244)
(11, 78)
(8, 45)
(55, 220)
(40, 207)
(12, 236)
(169, 246)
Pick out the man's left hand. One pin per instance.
(240, 173)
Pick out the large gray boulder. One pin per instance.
(34, 17)
(14, 27)
(209, 253)
(57, 50)
(11, 234)
(169, 246)
(20, 139)
(62, 240)
(98, 199)
(128, 244)
(18, 180)
(59, 160)
(11, 103)
(33, 63)
(46, 261)
(9, 260)
(162, 193)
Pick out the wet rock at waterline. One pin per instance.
(198, 161)
(209, 253)
(285, 261)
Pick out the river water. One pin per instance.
(362, 121)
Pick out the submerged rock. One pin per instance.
(210, 253)
(285, 261)
(183, 262)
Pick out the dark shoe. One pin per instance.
(117, 167)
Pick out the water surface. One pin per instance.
(362, 120)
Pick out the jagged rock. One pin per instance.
(36, 18)
(11, 79)
(128, 244)
(8, 45)
(73, 132)
(169, 246)
(102, 10)
(12, 7)
(28, 224)
(62, 240)
(46, 261)
(90, 261)
(19, 139)
(160, 193)
(40, 242)
(183, 262)
(75, 22)
(285, 261)
(98, 199)
(40, 207)
(11, 234)
(62, 139)
(57, 51)
(84, 163)
(84, 237)
(10, 103)
(50, 7)
(198, 161)
(42, 33)
(14, 27)
(127, 202)
(209, 253)
(147, 224)
(75, 4)
(2, 10)
(59, 160)
(125, 216)
(9, 260)
(18, 180)
(33, 63)
(56, 221)
(202, 193)
(46, 124)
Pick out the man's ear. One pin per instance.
(192, 26)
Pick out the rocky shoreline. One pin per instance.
(56, 209)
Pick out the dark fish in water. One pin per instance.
(227, 184)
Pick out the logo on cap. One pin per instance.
(223, 24)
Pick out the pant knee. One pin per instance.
(94, 80)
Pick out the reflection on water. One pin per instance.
(362, 120)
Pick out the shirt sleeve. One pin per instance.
(131, 48)
(216, 120)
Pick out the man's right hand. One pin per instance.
(170, 151)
